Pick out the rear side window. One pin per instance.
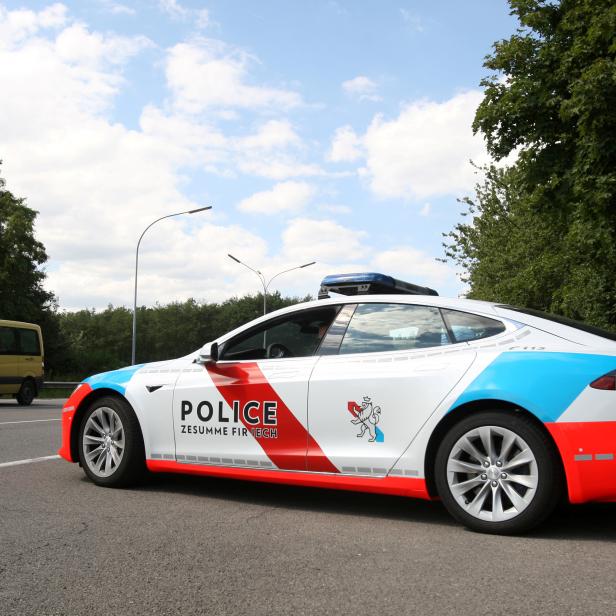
(393, 327)
(467, 327)
(28, 342)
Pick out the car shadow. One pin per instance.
(592, 522)
(340, 502)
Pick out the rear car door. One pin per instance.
(249, 409)
(377, 383)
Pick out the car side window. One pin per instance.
(467, 327)
(295, 335)
(394, 327)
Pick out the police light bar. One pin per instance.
(369, 283)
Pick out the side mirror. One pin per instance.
(208, 353)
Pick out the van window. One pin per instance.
(28, 342)
(18, 341)
(8, 341)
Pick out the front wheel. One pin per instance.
(497, 472)
(111, 449)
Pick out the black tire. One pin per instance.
(131, 467)
(27, 393)
(549, 475)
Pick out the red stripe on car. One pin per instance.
(244, 382)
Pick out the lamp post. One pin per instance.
(134, 344)
(262, 277)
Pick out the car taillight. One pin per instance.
(607, 381)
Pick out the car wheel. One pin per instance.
(497, 472)
(111, 448)
(27, 393)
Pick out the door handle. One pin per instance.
(29, 358)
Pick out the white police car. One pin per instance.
(498, 411)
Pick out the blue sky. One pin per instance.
(329, 131)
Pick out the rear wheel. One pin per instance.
(111, 448)
(497, 472)
(27, 392)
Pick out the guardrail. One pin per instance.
(59, 384)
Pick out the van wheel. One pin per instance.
(27, 393)
(498, 472)
(111, 450)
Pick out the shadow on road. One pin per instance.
(592, 522)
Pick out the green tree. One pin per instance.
(22, 295)
(543, 230)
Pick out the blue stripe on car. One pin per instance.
(543, 383)
(116, 379)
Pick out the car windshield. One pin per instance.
(589, 329)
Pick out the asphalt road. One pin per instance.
(187, 545)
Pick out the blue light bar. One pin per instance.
(369, 283)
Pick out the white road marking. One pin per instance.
(29, 461)
(6, 423)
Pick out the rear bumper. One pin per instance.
(588, 451)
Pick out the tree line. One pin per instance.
(90, 341)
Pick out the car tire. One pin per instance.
(111, 450)
(27, 392)
(498, 472)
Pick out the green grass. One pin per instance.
(54, 394)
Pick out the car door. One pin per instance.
(377, 383)
(249, 408)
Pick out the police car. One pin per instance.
(378, 386)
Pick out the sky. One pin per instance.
(329, 131)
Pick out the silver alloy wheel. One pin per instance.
(103, 441)
(492, 473)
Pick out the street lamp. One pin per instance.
(134, 344)
(262, 277)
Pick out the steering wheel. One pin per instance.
(277, 351)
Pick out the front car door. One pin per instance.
(249, 409)
(369, 397)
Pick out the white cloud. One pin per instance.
(207, 73)
(426, 209)
(414, 265)
(272, 135)
(173, 9)
(425, 151)
(322, 240)
(283, 197)
(361, 87)
(346, 146)
(115, 8)
(179, 12)
(22, 23)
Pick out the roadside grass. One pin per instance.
(55, 393)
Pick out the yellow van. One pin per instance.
(21, 360)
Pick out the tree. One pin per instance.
(22, 296)
(543, 232)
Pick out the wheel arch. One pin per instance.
(95, 394)
(469, 408)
